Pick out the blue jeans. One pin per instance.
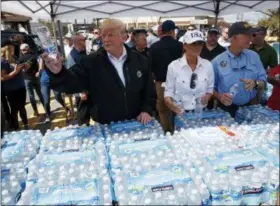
(46, 92)
(31, 85)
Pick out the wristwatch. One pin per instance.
(256, 84)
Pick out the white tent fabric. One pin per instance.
(70, 10)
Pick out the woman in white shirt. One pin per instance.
(190, 78)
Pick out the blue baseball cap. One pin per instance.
(168, 25)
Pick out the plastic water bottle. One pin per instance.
(235, 192)
(233, 90)
(198, 108)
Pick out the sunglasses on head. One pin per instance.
(193, 78)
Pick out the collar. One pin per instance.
(265, 45)
(124, 55)
(78, 52)
(233, 56)
(167, 38)
(183, 61)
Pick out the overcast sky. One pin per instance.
(252, 17)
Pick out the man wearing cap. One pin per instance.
(190, 79)
(240, 67)
(162, 53)
(267, 55)
(212, 48)
(29, 74)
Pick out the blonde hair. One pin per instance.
(7, 53)
(113, 24)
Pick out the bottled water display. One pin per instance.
(71, 138)
(234, 175)
(213, 117)
(132, 130)
(256, 114)
(70, 177)
(167, 185)
(13, 178)
(20, 146)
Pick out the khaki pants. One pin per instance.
(165, 115)
(258, 97)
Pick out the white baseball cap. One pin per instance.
(23, 46)
(193, 36)
(68, 35)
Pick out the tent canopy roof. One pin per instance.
(69, 10)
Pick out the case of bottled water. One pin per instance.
(13, 178)
(213, 117)
(20, 146)
(234, 175)
(166, 185)
(132, 130)
(256, 114)
(71, 138)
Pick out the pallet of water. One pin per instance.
(75, 177)
(234, 175)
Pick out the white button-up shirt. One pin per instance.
(178, 80)
(118, 63)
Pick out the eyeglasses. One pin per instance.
(190, 29)
(193, 83)
(96, 32)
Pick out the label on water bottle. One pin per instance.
(141, 139)
(71, 150)
(252, 191)
(245, 167)
(162, 188)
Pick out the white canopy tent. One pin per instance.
(70, 10)
(62, 10)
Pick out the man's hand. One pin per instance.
(178, 110)
(83, 96)
(225, 99)
(205, 99)
(144, 118)
(249, 84)
(54, 65)
(27, 66)
(19, 67)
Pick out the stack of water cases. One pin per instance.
(235, 174)
(18, 148)
(131, 130)
(256, 114)
(145, 169)
(71, 169)
(215, 117)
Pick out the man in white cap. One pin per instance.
(190, 78)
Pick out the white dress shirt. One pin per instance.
(67, 50)
(178, 79)
(118, 63)
(223, 43)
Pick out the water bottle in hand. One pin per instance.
(233, 90)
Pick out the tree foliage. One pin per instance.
(272, 21)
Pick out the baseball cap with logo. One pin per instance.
(240, 28)
(213, 31)
(193, 36)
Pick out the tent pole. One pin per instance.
(217, 11)
(53, 22)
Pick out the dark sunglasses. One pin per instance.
(96, 32)
(193, 78)
(190, 29)
(198, 43)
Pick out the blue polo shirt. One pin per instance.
(229, 69)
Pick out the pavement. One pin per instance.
(59, 116)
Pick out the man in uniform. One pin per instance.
(238, 67)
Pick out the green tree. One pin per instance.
(272, 21)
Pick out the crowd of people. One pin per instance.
(124, 74)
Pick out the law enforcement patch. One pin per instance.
(223, 63)
(139, 74)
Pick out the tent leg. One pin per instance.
(54, 31)
(217, 10)
(60, 39)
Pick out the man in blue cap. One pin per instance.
(238, 71)
(162, 53)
